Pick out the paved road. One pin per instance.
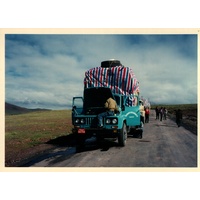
(163, 145)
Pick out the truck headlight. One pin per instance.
(76, 120)
(114, 121)
(111, 121)
(108, 121)
(82, 121)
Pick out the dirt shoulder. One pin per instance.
(25, 156)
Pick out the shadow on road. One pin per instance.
(68, 140)
(65, 148)
(106, 144)
(94, 144)
(165, 125)
(90, 144)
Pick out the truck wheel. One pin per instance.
(140, 132)
(99, 140)
(122, 136)
(80, 142)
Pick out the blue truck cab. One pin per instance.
(85, 112)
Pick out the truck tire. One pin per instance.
(99, 140)
(122, 136)
(110, 63)
(140, 132)
(80, 143)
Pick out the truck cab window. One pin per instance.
(78, 102)
(131, 101)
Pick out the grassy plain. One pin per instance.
(25, 133)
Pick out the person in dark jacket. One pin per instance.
(178, 117)
(161, 113)
(157, 113)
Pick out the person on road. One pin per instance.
(164, 113)
(147, 115)
(161, 113)
(142, 111)
(111, 108)
(178, 117)
(157, 112)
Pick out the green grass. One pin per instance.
(25, 131)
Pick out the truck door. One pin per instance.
(77, 105)
(132, 113)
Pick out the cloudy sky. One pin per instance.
(47, 70)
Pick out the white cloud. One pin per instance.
(48, 70)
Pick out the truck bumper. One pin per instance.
(99, 132)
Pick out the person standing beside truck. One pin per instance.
(142, 111)
(147, 115)
(111, 107)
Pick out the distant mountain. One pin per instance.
(11, 109)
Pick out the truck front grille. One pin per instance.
(91, 121)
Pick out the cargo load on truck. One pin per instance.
(120, 79)
(146, 102)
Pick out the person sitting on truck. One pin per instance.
(111, 108)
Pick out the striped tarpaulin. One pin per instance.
(120, 79)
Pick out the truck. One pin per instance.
(114, 80)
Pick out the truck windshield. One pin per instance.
(78, 102)
(94, 101)
(117, 99)
(131, 101)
